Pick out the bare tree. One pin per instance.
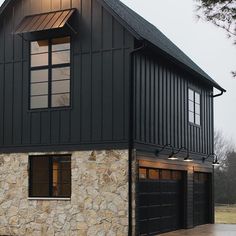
(222, 145)
(225, 178)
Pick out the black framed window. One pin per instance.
(50, 176)
(194, 107)
(50, 73)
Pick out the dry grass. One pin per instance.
(225, 214)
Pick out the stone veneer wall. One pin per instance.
(98, 205)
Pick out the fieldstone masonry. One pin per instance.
(98, 205)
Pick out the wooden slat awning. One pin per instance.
(44, 21)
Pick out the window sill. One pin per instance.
(193, 124)
(50, 109)
(48, 199)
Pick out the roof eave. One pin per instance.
(4, 6)
(176, 61)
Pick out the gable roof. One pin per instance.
(146, 31)
(143, 30)
(4, 5)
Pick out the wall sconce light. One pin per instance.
(188, 158)
(173, 156)
(215, 159)
(164, 147)
(216, 162)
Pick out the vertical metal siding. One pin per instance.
(100, 81)
(161, 102)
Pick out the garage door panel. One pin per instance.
(167, 211)
(168, 198)
(201, 198)
(143, 186)
(155, 211)
(166, 224)
(161, 206)
(154, 225)
(154, 198)
(154, 186)
(143, 199)
(143, 212)
(143, 227)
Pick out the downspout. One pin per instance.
(131, 135)
(213, 172)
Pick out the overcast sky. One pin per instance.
(204, 43)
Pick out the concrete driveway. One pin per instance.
(206, 230)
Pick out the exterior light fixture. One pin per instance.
(164, 147)
(173, 156)
(215, 159)
(216, 163)
(188, 158)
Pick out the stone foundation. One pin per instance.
(98, 204)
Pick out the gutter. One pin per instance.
(131, 136)
(218, 95)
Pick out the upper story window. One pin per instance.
(50, 73)
(194, 107)
(50, 176)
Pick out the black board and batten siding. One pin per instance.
(161, 107)
(99, 114)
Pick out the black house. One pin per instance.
(106, 127)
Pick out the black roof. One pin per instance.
(143, 30)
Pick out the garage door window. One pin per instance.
(166, 174)
(153, 174)
(142, 173)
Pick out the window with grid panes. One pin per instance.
(50, 73)
(50, 176)
(194, 107)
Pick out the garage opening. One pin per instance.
(160, 201)
(202, 193)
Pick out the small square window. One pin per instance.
(191, 117)
(197, 119)
(50, 176)
(197, 109)
(191, 106)
(197, 98)
(191, 94)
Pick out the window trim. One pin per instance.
(49, 199)
(50, 67)
(30, 173)
(194, 103)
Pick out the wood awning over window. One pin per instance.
(44, 21)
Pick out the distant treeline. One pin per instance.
(225, 180)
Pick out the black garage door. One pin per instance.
(160, 201)
(202, 206)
